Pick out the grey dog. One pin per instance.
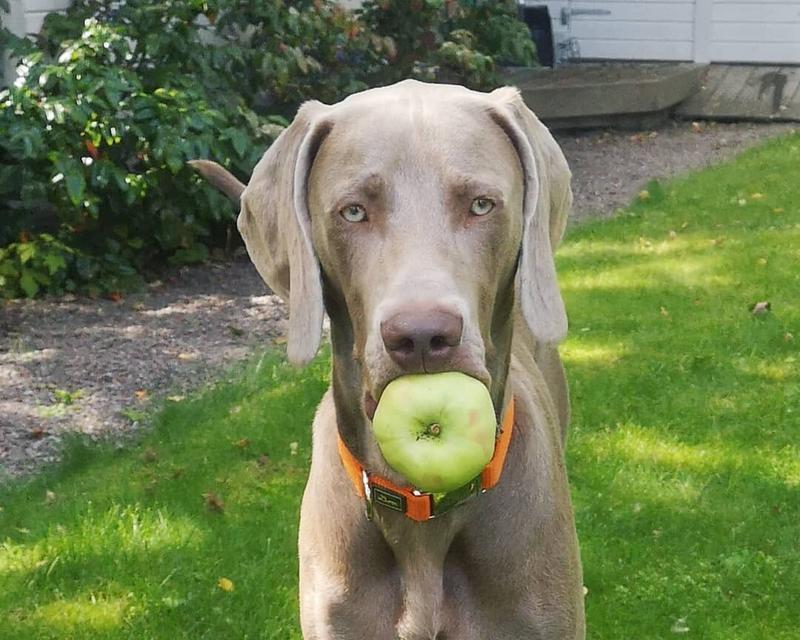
(423, 220)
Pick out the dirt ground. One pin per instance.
(90, 366)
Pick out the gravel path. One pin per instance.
(90, 366)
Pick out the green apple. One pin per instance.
(438, 429)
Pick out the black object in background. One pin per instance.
(538, 20)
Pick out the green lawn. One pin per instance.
(684, 452)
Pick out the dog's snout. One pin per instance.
(422, 340)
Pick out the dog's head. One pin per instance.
(416, 214)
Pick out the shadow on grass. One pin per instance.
(133, 543)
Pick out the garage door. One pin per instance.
(766, 31)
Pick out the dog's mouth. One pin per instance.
(370, 405)
(372, 396)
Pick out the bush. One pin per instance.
(115, 97)
(446, 40)
(92, 152)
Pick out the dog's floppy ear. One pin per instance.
(276, 227)
(548, 199)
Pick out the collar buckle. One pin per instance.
(367, 494)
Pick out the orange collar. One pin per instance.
(419, 505)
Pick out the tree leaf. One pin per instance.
(239, 141)
(28, 284)
(76, 185)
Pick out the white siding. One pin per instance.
(751, 31)
(765, 31)
(27, 16)
(626, 29)
(36, 10)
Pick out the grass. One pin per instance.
(684, 451)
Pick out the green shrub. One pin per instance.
(114, 98)
(447, 40)
(94, 155)
(32, 264)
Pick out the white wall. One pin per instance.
(36, 10)
(26, 18)
(626, 29)
(765, 31)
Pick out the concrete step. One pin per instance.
(746, 92)
(625, 95)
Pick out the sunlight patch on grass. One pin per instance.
(785, 464)
(772, 371)
(645, 448)
(645, 484)
(683, 270)
(638, 444)
(136, 528)
(86, 612)
(574, 352)
(19, 558)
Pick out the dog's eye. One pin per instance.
(481, 206)
(353, 213)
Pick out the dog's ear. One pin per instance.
(548, 199)
(276, 227)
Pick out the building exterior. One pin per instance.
(746, 31)
(733, 31)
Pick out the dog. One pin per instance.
(423, 219)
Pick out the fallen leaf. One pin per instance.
(696, 128)
(664, 312)
(760, 308)
(777, 210)
(293, 448)
(141, 394)
(644, 194)
(762, 262)
(187, 356)
(757, 196)
(36, 433)
(175, 398)
(49, 497)
(214, 502)
(243, 443)
(114, 296)
(225, 584)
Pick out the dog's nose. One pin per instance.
(422, 340)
